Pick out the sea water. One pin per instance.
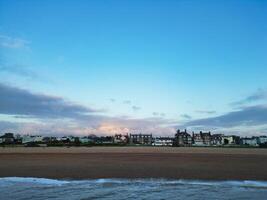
(14, 188)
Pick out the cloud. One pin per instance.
(112, 100)
(155, 114)
(260, 94)
(6, 126)
(50, 115)
(251, 115)
(13, 43)
(22, 71)
(104, 127)
(206, 111)
(15, 101)
(136, 108)
(162, 114)
(18, 70)
(158, 114)
(127, 102)
(186, 116)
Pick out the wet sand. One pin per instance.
(134, 162)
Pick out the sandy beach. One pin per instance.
(134, 162)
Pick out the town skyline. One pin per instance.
(182, 138)
(120, 67)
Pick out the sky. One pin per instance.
(114, 66)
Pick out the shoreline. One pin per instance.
(78, 163)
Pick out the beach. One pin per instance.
(134, 162)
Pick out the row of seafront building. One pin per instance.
(181, 138)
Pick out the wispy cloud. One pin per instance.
(158, 114)
(18, 70)
(206, 111)
(13, 42)
(260, 94)
(155, 114)
(186, 116)
(136, 108)
(127, 102)
(162, 114)
(251, 115)
(22, 71)
(112, 100)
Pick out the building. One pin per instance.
(7, 138)
(141, 139)
(105, 140)
(202, 139)
(197, 139)
(163, 141)
(67, 139)
(182, 138)
(206, 137)
(120, 139)
(249, 141)
(230, 140)
(262, 139)
(32, 139)
(85, 140)
(216, 140)
(50, 139)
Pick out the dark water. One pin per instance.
(39, 188)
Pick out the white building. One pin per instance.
(163, 141)
(198, 140)
(120, 139)
(262, 139)
(85, 139)
(228, 139)
(67, 139)
(250, 141)
(31, 138)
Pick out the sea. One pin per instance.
(14, 188)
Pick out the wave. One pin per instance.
(44, 181)
(57, 182)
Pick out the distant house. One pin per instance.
(163, 141)
(197, 139)
(142, 139)
(85, 140)
(7, 138)
(216, 140)
(49, 139)
(182, 138)
(32, 139)
(249, 141)
(202, 139)
(121, 139)
(93, 138)
(18, 139)
(230, 140)
(262, 139)
(67, 139)
(105, 140)
(206, 138)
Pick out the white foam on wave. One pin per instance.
(231, 183)
(226, 183)
(44, 181)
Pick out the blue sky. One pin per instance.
(158, 64)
